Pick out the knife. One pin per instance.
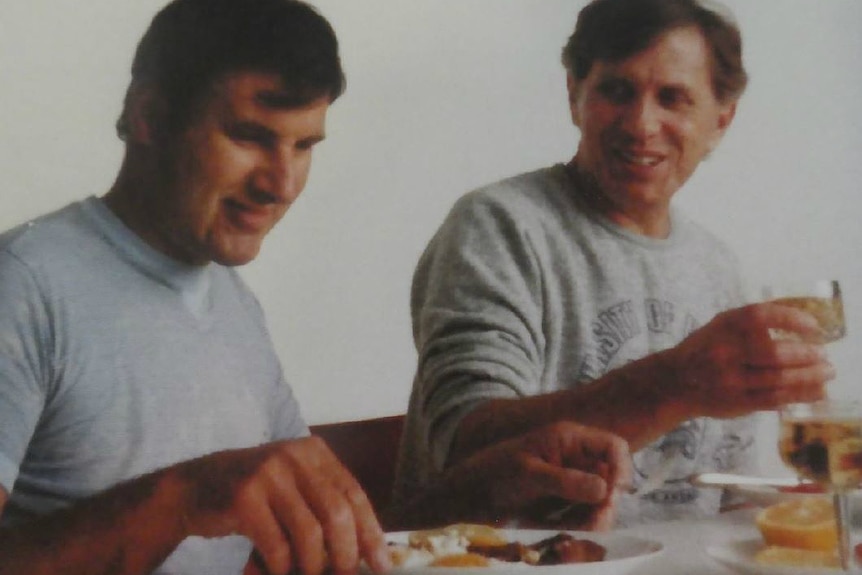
(722, 480)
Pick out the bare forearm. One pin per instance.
(128, 530)
(638, 402)
(727, 368)
(524, 478)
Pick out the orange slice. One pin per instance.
(802, 523)
(461, 560)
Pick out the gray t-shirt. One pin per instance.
(116, 360)
(522, 291)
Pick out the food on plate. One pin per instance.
(472, 545)
(461, 560)
(791, 556)
(564, 548)
(406, 556)
(803, 523)
(473, 533)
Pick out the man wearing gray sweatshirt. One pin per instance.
(577, 292)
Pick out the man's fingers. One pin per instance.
(303, 528)
(763, 399)
(272, 549)
(785, 318)
(367, 538)
(790, 380)
(326, 495)
(599, 451)
(785, 354)
(548, 480)
(372, 543)
(577, 485)
(769, 389)
(603, 516)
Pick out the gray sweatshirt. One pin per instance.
(522, 291)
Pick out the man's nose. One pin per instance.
(642, 117)
(278, 178)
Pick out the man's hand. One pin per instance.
(556, 465)
(733, 366)
(294, 500)
(559, 466)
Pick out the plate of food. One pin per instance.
(751, 557)
(481, 549)
(797, 536)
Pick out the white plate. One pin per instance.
(739, 555)
(624, 554)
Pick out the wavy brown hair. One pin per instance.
(613, 30)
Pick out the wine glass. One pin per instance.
(822, 299)
(822, 441)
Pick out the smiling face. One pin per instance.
(646, 122)
(229, 176)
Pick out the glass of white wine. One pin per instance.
(822, 299)
(822, 441)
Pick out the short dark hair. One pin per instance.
(612, 30)
(191, 44)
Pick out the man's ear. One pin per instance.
(146, 114)
(572, 89)
(723, 121)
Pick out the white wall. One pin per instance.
(445, 95)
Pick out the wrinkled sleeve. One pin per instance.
(25, 345)
(477, 317)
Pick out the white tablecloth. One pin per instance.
(686, 542)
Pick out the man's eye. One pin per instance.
(306, 145)
(249, 133)
(616, 91)
(673, 98)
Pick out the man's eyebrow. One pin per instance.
(279, 99)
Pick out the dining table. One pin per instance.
(724, 544)
(686, 541)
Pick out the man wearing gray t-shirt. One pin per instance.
(577, 293)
